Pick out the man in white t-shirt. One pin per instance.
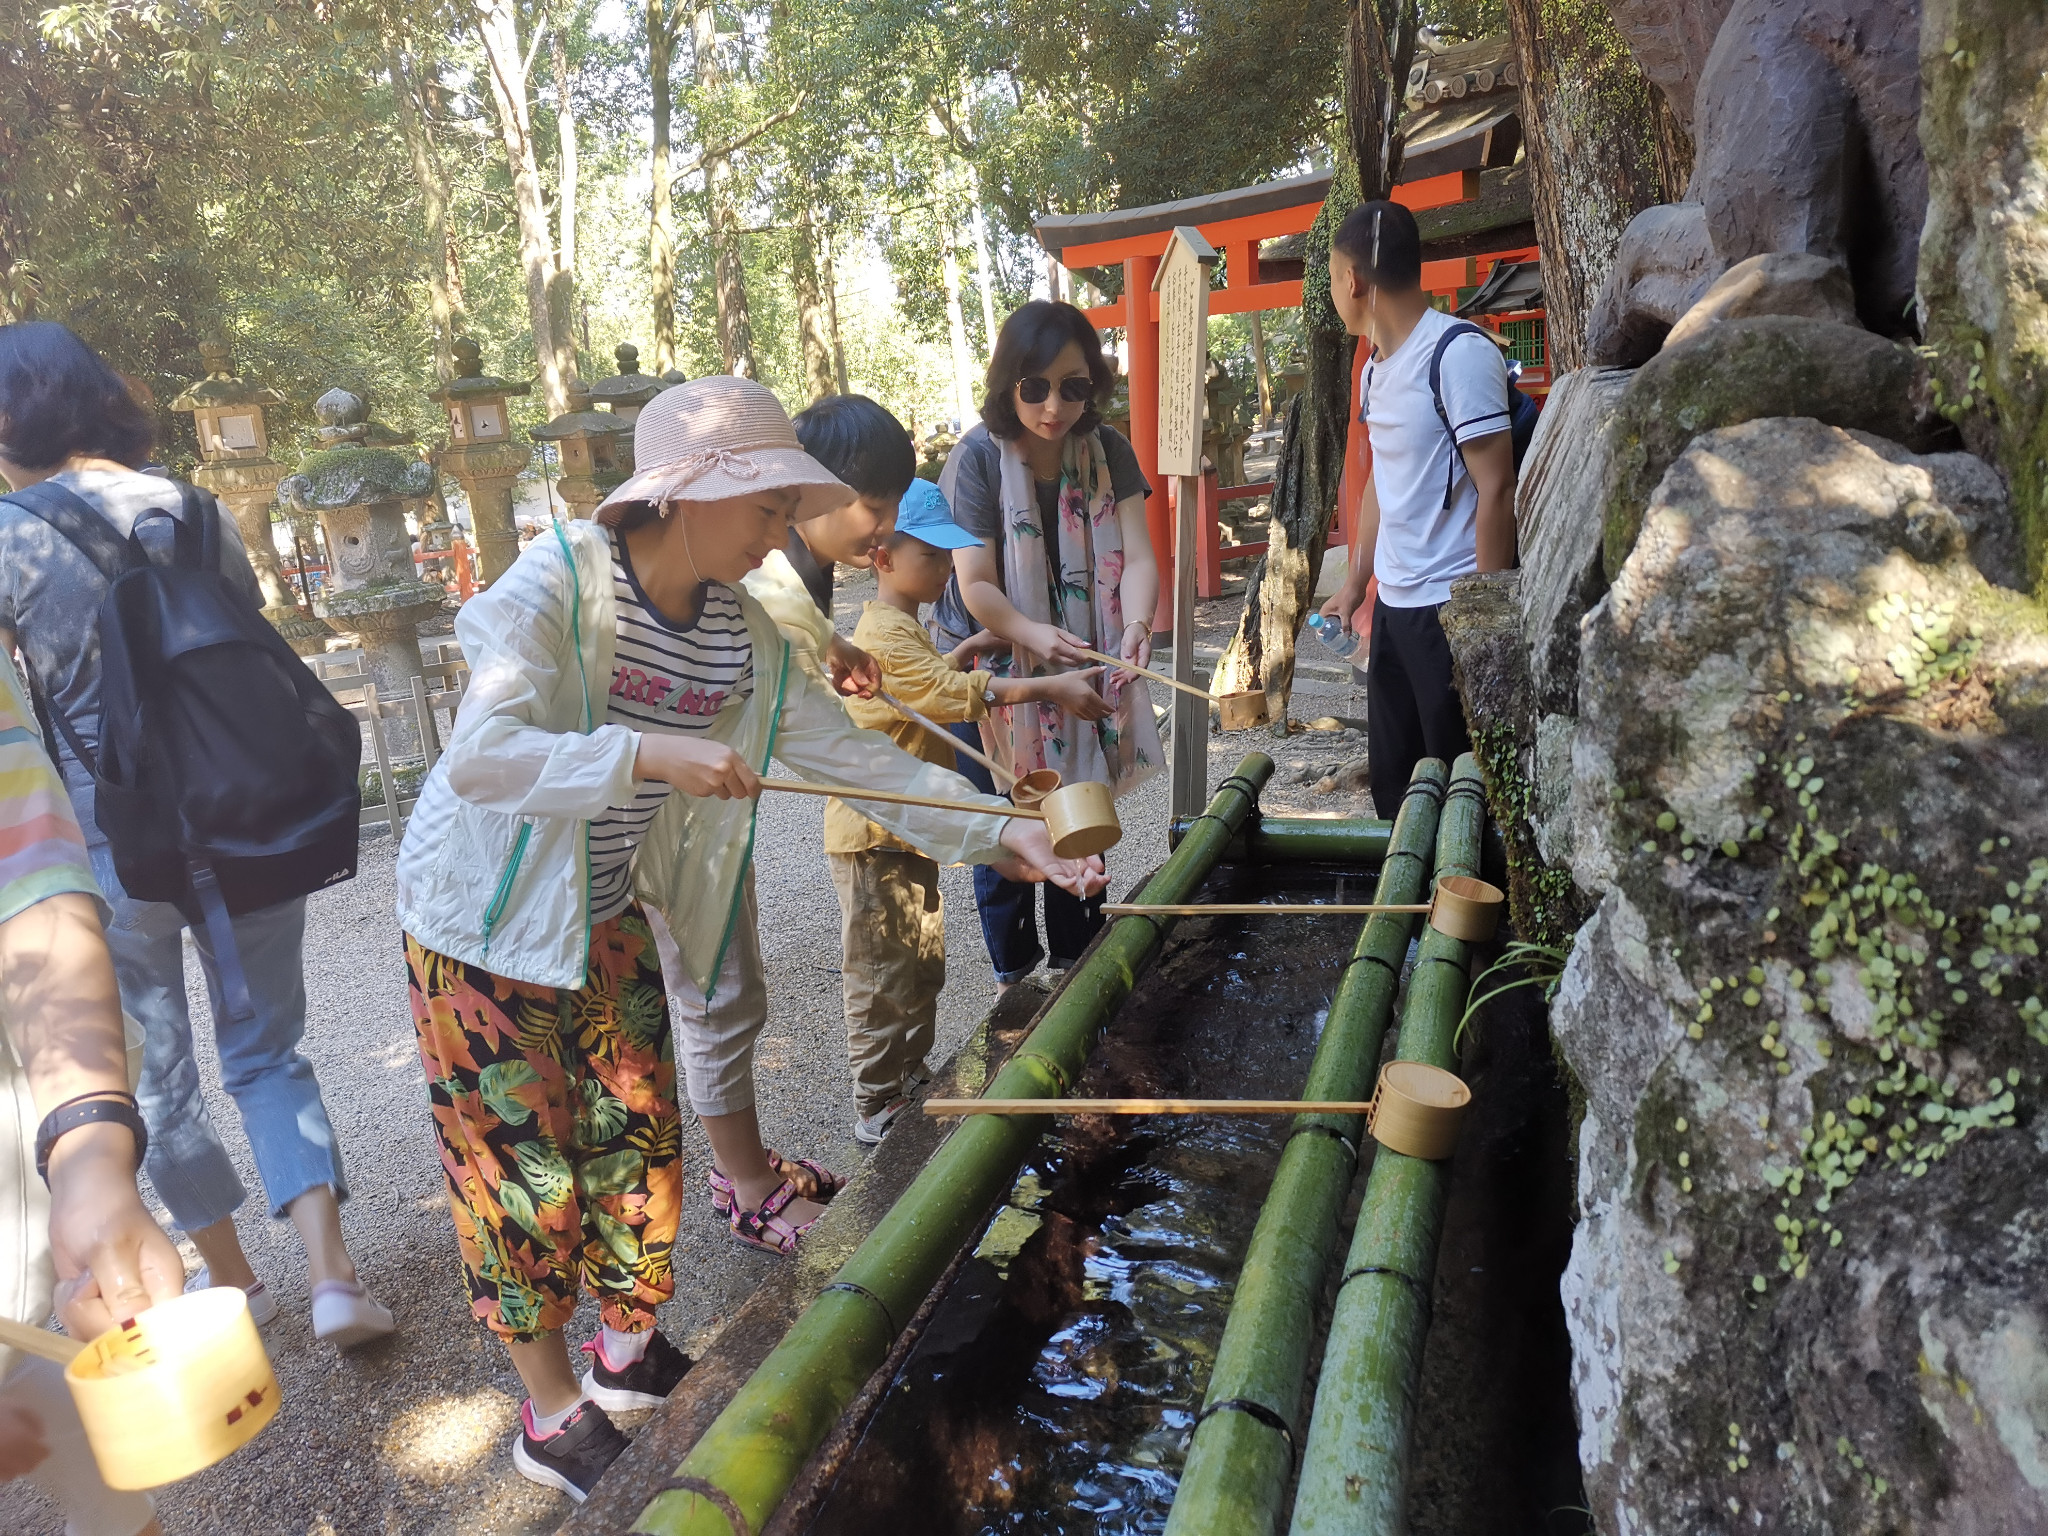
(1440, 501)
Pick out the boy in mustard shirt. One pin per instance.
(894, 925)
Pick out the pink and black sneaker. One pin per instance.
(644, 1383)
(574, 1457)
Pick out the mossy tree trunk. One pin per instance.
(1281, 592)
(813, 321)
(1984, 249)
(721, 198)
(1601, 148)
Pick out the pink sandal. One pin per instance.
(813, 1180)
(767, 1229)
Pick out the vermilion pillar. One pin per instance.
(1143, 347)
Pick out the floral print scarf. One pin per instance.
(1082, 598)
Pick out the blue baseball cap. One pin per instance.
(924, 515)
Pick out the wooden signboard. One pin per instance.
(1183, 289)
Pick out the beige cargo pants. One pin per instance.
(893, 931)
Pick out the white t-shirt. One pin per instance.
(663, 679)
(1425, 540)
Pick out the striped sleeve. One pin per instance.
(42, 852)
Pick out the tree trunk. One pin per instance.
(1984, 248)
(497, 27)
(956, 321)
(828, 277)
(984, 274)
(1280, 594)
(729, 273)
(661, 233)
(444, 278)
(562, 287)
(814, 327)
(1599, 153)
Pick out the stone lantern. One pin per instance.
(235, 465)
(626, 391)
(483, 454)
(596, 449)
(359, 493)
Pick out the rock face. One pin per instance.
(1804, 114)
(1784, 283)
(1741, 370)
(1811, 793)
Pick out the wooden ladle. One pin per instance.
(1080, 818)
(1237, 710)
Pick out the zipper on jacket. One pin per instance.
(732, 915)
(503, 893)
(589, 720)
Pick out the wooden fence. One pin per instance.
(436, 694)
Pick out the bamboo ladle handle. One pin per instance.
(948, 737)
(1253, 909)
(1158, 677)
(1145, 1107)
(39, 1341)
(848, 792)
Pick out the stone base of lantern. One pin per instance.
(487, 473)
(387, 620)
(306, 635)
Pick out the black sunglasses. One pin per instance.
(1074, 391)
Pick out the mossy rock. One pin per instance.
(353, 477)
(1745, 370)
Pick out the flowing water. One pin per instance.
(1057, 1382)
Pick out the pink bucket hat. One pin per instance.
(722, 436)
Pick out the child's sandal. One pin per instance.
(721, 1193)
(767, 1228)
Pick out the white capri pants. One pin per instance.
(715, 1042)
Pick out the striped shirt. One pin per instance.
(665, 678)
(42, 852)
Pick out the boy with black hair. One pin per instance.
(1440, 500)
(894, 919)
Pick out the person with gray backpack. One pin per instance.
(215, 781)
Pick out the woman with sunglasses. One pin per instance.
(1065, 561)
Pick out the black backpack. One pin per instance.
(1522, 410)
(226, 773)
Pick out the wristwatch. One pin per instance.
(88, 1109)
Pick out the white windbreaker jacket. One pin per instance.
(494, 870)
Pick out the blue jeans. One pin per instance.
(261, 1066)
(1009, 908)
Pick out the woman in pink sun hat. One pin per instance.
(625, 697)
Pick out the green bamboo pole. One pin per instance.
(1304, 840)
(741, 1469)
(1235, 1480)
(1354, 1468)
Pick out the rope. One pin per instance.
(861, 1290)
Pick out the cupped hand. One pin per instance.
(1076, 693)
(708, 769)
(112, 1260)
(1033, 860)
(855, 674)
(22, 1446)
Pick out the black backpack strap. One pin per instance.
(1436, 393)
(220, 932)
(79, 523)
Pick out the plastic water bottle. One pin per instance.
(1337, 640)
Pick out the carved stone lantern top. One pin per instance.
(580, 420)
(227, 411)
(353, 466)
(629, 389)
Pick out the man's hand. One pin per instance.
(1136, 647)
(855, 673)
(22, 1446)
(112, 1260)
(1035, 861)
(1076, 693)
(1346, 602)
(696, 767)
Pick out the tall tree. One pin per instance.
(814, 321)
(444, 281)
(721, 200)
(663, 19)
(508, 67)
(562, 281)
(1602, 146)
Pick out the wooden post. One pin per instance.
(1182, 360)
(1141, 333)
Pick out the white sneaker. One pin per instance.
(347, 1315)
(262, 1305)
(869, 1130)
(916, 1078)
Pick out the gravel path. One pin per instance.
(409, 1436)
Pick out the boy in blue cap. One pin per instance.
(894, 926)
